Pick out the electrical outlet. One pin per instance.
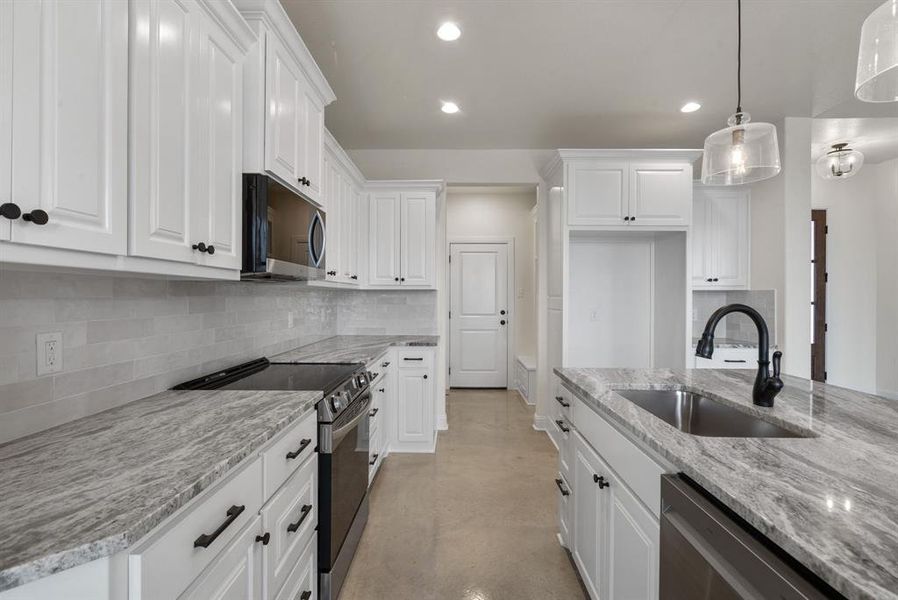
(49, 353)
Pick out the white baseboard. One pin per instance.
(541, 422)
(888, 394)
(442, 423)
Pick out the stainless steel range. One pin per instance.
(342, 449)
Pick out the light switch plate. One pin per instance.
(49, 353)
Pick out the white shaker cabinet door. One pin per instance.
(313, 144)
(417, 240)
(64, 74)
(217, 191)
(730, 239)
(414, 406)
(633, 544)
(590, 518)
(347, 228)
(701, 240)
(285, 114)
(383, 238)
(660, 193)
(598, 192)
(164, 79)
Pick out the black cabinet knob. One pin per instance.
(264, 538)
(709, 279)
(402, 279)
(425, 376)
(632, 218)
(353, 276)
(10, 210)
(601, 481)
(304, 181)
(502, 322)
(201, 247)
(626, 218)
(395, 279)
(37, 216)
(501, 312)
(210, 249)
(716, 279)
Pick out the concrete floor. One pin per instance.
(475, 521)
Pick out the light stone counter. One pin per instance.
(831, 500)
(93, 487)
(352, 348)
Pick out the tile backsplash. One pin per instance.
(736, 326)
(125, 338)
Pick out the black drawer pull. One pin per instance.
(733, 360)
(560, 484)
(298, 451)
(562, 402)
(381, 390)
(601, 481)
(305, 595)
(408, 358)
(562, 427)
(305, 510)
(207, 538)
(264, 538)
(385, 365)
(373, 460)
(373, 412)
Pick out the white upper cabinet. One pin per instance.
(635, 188)
(417, 238)
(383, 222)
(598, 192)
(721, 238)
(186, 131)
(64, 123)
(402, 234)
(660, 193)
(342, 193)
(285, 99)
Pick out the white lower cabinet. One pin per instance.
(415, 427)
(613, 536)
(302, 583)
(236, 573)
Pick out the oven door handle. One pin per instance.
(363, 413)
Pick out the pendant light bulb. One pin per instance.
(743, 152)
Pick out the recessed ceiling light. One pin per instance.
(690, 107)
(448, 32)
(450, 108)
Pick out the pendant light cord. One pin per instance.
(739, 57)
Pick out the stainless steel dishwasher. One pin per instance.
(708, 554)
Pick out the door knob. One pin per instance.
(36, 216)
(10, 210)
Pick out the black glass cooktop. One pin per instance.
(262, 375)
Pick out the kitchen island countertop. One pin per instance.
(830, 500)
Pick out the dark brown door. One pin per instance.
(818, 265)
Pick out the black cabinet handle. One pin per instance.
(502, 322)
(202, 247)
(332, 273)
(385, 365)
(402, 279)
(716, 279)
(373, 459)
(207, 538)
(632, 218)
(10, 210)
(425, 376)
(210, 249)
(302, 446)
(562, 427)
(304, 181)
(305, 595)
(36, 216)
(264, 538)
(353, 276)
(305, 510)
(501, 312)
(413, 358)
(562, 402)
(373, 412)
(601, 481)
(395, 279)
(381, 390)
(732, 360)
(561, 489)
(626, 218)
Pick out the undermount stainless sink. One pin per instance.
(699, 415)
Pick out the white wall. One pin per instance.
(862, 291)
(503, 213)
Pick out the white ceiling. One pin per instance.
(876, 138)
(565, 73)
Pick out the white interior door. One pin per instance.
(479, 318)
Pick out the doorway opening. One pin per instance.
(491, 284)
(818, 295)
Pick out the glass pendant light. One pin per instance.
(743, 152)
(840, 163)
(877, 58)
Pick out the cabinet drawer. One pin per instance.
(632, 465)
(729, 358)
(167, 561)
(302, 583)
(285, 455)
(236, 573)
(414, 359)
(562, 402)
(290, 518)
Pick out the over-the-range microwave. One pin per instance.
(283, 233)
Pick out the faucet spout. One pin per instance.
(766, 386)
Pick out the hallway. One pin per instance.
(475, 521)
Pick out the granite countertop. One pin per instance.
(352, 348)
(92, 487)
(831, 500)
